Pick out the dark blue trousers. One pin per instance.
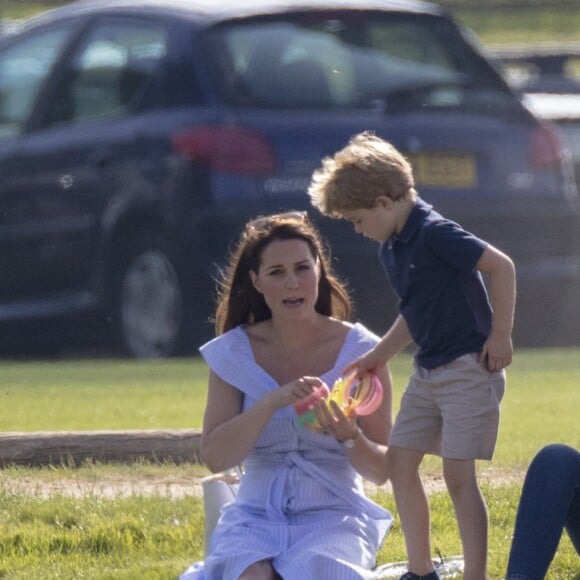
(550, 502)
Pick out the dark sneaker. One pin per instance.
(410, 576)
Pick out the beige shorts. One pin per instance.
(451, 411)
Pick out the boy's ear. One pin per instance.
(384, 201)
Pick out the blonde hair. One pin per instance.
(367, 168)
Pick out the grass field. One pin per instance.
(542, 394)
(527, 26)
(155, 537)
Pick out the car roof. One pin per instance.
(210, 11)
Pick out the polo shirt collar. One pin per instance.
(417, 216)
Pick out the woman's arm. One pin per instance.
(367, 455)
(229, 433)
(370, 433)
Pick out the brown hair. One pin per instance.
(239, 302)
(368, 167)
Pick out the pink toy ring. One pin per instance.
(353, 395)
(362, 396)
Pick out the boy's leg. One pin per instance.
(469, 397)
(471, 513)
(412, 505)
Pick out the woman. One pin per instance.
(300, 511)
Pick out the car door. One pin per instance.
(83, 148)
(25, 65)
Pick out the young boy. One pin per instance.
(451, 404)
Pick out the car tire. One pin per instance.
(151, 304)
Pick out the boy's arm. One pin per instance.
(394, 340)
(498, 349)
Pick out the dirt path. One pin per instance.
(179, 487)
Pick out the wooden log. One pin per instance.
(75, 447)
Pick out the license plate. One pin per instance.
(443, 170)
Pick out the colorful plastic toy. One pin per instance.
(353, 395)
(304, 407)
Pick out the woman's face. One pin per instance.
(288, 278)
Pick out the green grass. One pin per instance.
(141, 537)
(17, 9)
(156, 537)
(502, 504)
(90, 477)
(522, 25)
(101, 394)
(541, 404)
(66, 538)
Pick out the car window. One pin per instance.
(349, 59)
(24, 66)
(108, 70)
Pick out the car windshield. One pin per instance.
(349, 59)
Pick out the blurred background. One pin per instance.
(534, 44)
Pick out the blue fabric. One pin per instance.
(550, 502)
(431, 267)
(299, 503)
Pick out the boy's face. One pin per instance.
(377, 223)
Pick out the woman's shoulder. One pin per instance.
(224, 342)
(350, 331)
(361, 334)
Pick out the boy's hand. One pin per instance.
(370, 362)
(497, 352)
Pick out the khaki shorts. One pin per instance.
(452, 410)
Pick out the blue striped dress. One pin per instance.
(299, 503)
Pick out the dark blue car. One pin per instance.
(136, 138)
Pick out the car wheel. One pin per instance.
(149, 298)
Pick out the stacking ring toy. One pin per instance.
(353, 395)
(359, 396)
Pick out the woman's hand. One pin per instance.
(334, 422)
(292, 392)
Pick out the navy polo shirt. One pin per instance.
(431, 267)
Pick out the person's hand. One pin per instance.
(292, 392)
(497, 352)
(370, 362)
(334, 422)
